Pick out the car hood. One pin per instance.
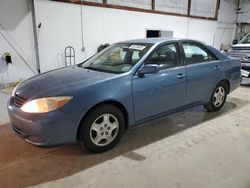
(64, 81)
(241, 45)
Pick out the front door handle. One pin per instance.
(180, 76)
(216, 67)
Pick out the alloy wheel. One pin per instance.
(219, 96)
(104, 129)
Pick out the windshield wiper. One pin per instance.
(102, 70)
(91, 68)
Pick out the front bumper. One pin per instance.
(245, 81)
(48, 129)
(33, 139)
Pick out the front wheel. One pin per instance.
(102, 128)
(217, 98)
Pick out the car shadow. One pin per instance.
(22, 164)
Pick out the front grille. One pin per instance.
(241, 48)
(239, 52)
(19, 101)
(237, 55)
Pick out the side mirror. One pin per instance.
(148, 69)
(235, 41)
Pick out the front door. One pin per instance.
(157, 93)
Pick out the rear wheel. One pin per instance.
(217, 98)
(102, 128)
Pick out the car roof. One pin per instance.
(159, 40)
(149, 40)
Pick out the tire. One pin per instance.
(102, 129)
(218, 98)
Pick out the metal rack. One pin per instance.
(69, 56)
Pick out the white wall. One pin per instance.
(243, 17)
(16, 26)
(61, 27)
(226, 23)
(245, 9)
(176, 6)
(202, 30)
(145, 4)
(203, 8)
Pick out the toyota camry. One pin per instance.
(126, 84)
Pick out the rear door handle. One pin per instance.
(180, 76)
(216, 67)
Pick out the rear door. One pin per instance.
(163, 91)
(204, 71)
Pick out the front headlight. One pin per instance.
(44, 105)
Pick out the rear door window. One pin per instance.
(196, 53)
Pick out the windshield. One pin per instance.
(245, 40)
(119, 58)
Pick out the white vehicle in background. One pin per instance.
(241, 51)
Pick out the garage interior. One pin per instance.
(191, 148)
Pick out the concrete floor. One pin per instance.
(190, 149)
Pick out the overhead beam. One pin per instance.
(121, 7)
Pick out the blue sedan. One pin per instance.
(126, 84)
